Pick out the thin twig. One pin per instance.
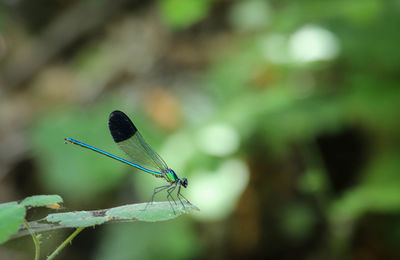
(35, 240)
(64, 244)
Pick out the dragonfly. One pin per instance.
(141, 155)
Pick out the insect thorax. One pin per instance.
(170, 176)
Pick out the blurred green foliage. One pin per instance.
(175, 240)
(183, 13)
(306, 90)
(74, 178)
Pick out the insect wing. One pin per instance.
(141, 153)
(130, 141)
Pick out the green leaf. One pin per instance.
(41, 200)
(11, 216)
(157, 211)
(77, 219)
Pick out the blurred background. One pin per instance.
(283, 115)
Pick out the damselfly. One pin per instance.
(141, 155)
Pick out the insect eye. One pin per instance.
(184, 182)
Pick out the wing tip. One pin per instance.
(121, 127)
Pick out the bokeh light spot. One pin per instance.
(216, 193)
(219, 140)
(313, 43)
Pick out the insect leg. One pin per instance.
(170, 196)
(157, 190)
(170, 190)
(179, 195)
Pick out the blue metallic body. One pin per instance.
(73, 141)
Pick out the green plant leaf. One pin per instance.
(41, 200)
(11, 216)
(157, 211)
(77, 219)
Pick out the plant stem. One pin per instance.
(64, 244)
(35, 240)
